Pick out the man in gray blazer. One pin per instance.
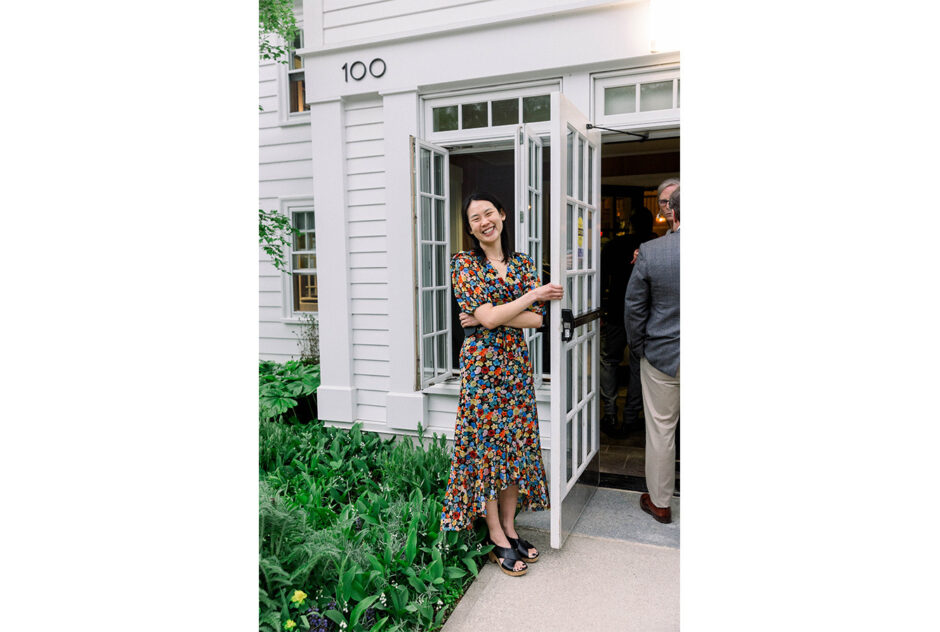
(651, 318)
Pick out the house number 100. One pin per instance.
(358, 69)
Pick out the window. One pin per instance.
(490, 114)
(295, 77)
(304, 261)
(637, 98)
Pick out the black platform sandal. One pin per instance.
(510, 557)
(522, 549)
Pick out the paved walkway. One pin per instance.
(618, 572)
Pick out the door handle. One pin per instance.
(567, 325)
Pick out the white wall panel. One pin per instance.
(371, 367)
(283, 152)
(370, 321)
(371, 352)
(369, 290)
(372, 398)
(365, 212)
(367, 228)
(372, 382)
(369, 275)
(368, 306)
(373, 180)
(286, 170)
(370, 413)
(368, 244)
(365, 148)
(369, 164)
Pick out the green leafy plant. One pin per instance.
(282, 387)
(309, 337)
(277, 27)
(274, 236)
(352, 520)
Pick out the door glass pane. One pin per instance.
(438, 174)
(590, 175)
(427, 358)
(536, 109)
(578, 365)
(438, 220)
(569, 251)
(656, 96)
(445, 119)
(589, 422)
(440, 310)
(580, 309)
(474, 115)
(580, 238)
(568, 381)
(442, 353)
(440, 277)
(427, 313)
(570, 161)
(589, 367)
(425, 219)
(533, 204)
(425, 179)
(620, 100)
(532, 165)
(579, 179)
(589, 229)
(427, 253)
(568, 467)
(580, 448)
(506, 112)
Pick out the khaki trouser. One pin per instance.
(661, 408)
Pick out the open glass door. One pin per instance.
(575, 328)
(432, 231)
(529, 223)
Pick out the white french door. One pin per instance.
(528, 231)
(575, 325)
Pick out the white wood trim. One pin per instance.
(336, 396)
(478, 23)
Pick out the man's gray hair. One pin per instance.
(668, 182)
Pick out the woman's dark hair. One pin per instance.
(505, 238)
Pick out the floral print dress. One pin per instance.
(496, 437)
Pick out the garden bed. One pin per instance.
(349, 529)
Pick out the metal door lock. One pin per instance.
(567, 325)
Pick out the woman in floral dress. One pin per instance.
(497, 462)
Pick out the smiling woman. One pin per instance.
(497, 462)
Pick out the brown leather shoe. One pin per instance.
(661, 515)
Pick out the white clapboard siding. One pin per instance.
(285, 169)
(352, 20)
(368, 256)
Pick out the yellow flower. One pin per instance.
(299, 596)
(289, 624)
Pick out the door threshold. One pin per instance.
(628, 483)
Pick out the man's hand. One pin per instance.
(636, 253)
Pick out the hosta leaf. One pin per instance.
(452, 572)
(360, 608)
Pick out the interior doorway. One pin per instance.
(631, 171)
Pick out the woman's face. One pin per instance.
(486, 222)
